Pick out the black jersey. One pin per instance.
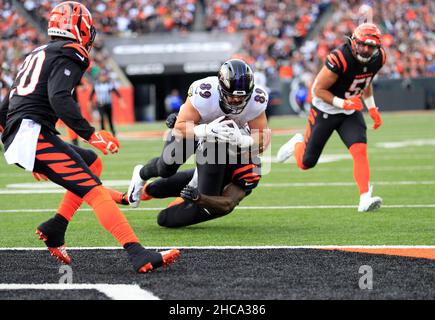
(353, 76)
(42, 90)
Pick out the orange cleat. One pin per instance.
(59, 253)
(168, 257)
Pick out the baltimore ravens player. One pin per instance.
(42, 94)
(212, 106)
(340, 90)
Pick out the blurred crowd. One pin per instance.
(128, 17)
(274, 32)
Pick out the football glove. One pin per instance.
(104, 141)
(171, 119)
(235, 137)
(215, 130)
(376, 116)
(190, 193)
(353, 103)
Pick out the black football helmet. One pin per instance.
(236, 83)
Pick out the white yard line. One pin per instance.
(113, 291)
(353, 246)
(50, 188)
(346, 206)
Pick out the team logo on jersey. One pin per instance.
(67, 72)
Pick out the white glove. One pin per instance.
(217, 129)
(235, 137)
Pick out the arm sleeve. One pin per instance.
(64, 76)
(4, 106)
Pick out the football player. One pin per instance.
(213, 103)
(340, 91)
(205, 193)
(42, 94)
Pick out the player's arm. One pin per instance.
(324, 80)
(187, 124)
(369, 102)
(218, 205)
(260, 132)
(65, 75)
(188, 117)
(335, 65)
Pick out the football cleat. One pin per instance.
(59, 252)
(168, 257)
(287, 150)
(135, 188)
(368, 203)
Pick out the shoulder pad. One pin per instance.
(77, 53)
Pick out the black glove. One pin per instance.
(171, 119)
(190, 193)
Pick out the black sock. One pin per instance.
(139, 256)
(54, 229)
(149, 170)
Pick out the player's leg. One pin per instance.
(102, 116)
(175, 153)
(62, 165)
(180, 213)
(319, 129)
(167, 187)
(109, 113)
(353, 132)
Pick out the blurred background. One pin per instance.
(154, 49)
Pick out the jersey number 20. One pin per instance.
(31, 67)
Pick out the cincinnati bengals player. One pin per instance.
(42, 94)
(216, 107)
(340, 90)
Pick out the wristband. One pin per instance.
(338, 102)
(370, 102)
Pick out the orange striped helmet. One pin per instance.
(72, 20)
(366, 41)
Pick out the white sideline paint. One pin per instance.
(344, 206)
(51, 188)
(112, 291)
(328, 158)
(238, 247)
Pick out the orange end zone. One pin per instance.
(426, 253)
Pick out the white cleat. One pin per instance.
(135, 188)
(368, 203)
(287, 150)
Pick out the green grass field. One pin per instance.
(402, 176)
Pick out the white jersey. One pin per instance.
(204, 96)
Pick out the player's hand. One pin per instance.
(171, 119)
(190, 193)
(39, 176)
(235, 137)
(104, 141)
(376, 116)
(353, 103)
(1, 129)
(217, 129)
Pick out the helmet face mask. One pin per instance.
(72, 20)
(236, 83)
(366, 42)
